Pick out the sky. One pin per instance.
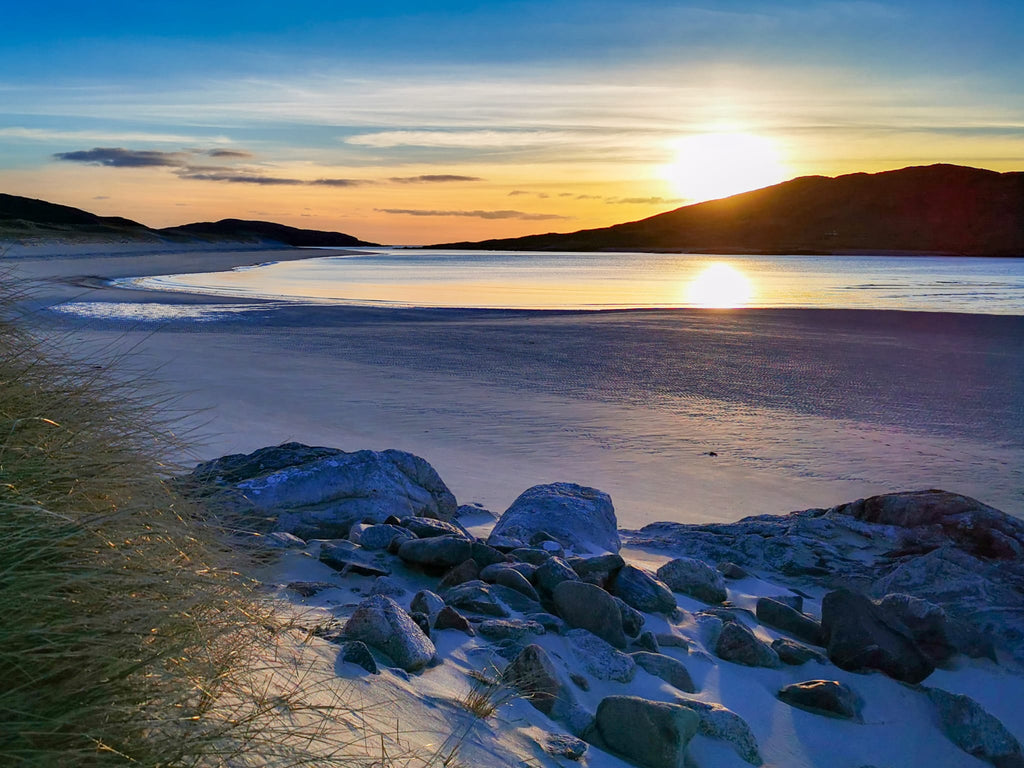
(421, 122)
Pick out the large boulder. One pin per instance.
(642, 591)
(589, 607)
(552, 573)
(598, 658)
(475, 597)
(717, 722)
(651, 734)
(381, 623)
(926, 622)
(321, 492)
(858, 637)
(581, 519)
(534, 674)
(739, 645)
(694, 578)
(792, 622)
(344, 556)
(672, 671)
(824, 697)
(974, 730)
(436, 552)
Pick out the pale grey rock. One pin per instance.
(824, 697)
(436, 551)
(344, 556)
(581, 519)
(739, 645)
(694, 578)
(589, 607)
(975, 731)
(381, 623)
(322, 492)
(788, 620)
(642, 591)
(561, 745)
(651, 734)
(386, 585)
(717, 722)
(672, 671)
(598, 658)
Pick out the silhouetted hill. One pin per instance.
(38, 219)
(238, 229)
(940, 209)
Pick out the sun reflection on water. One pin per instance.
(719, 286)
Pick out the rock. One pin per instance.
(346, 557)
(282, 540)
(511, 578)
(422, 621)
(428, 527)
(475, 597)
(694, 578)
(651, 734)
(598, 569)
(382, 624)
(598, 658)
(553, 548)
(632, 619)
(465, 571)
(926, 622)
(509, 629)
(732, 571)
(356, 652)
(490, 571)
(309, 588)
(385, 585)
(561, 745)
(796, 602)
(515, 600)
(449, 618)
(717, 722)
(550, 622)
(857, 637)
(531, 555)
(484, 555)
(788, 620)
(642, 591)
(794, 654)
(374, 537)
(974, 730)
(672, 671)
(552, 573)
(824, 697)
(533, 673)
(670, 640)
(739, 645)
(436, 552)
(646, 641)
(427, 602)
(589, 607)
(581, 519)
(322, 492)
(504, 543)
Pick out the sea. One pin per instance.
(405, 277)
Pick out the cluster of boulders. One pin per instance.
(550, 568)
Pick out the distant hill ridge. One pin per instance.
(25, 216)
(935, 209)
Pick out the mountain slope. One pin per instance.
(238, 229)
(944, 209)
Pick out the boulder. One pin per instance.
(436, 551)
(642, 591)
(824, 697)
(449, 618)
(344, 556)
(732, 571)
(651, 734)
(428, 527)
(589, 607)
(356, 652)
(475, 597)
(857, 637)
(374, 537)
(465, 571)
(598, 658)
(509, 629)
(739, 645)
(549, 621)
(552, 573)
(515, 599)
(533, 673)
(485, 555)
(381, 623)
(632, 619)
(974, 730)
(427, 602)
(598, 569)
(509, 577)
(321, 492)
(717, 722)
(672, 671)
(581, 519)
(927, 623)
(531, 555)
(385, 585)
(794, 654)
(694, 578)
(788, 620)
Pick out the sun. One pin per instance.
(719, 286)
(712, 165)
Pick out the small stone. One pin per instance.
(385, 585)
(428, 527)
(732, 571)
(309, 588)
(561, 745)
(475, 597)
(646, 641)
(449, 618)
(356, 652)
(427, 602)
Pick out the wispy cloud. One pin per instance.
(229, 153)
(124, 137)
(645, 200)
(456, 139)
(341, 182)
(432, 178)
(476, 214)
(235, 177)
(118, 157)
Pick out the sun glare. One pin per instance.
(712, 165)
(719, 286)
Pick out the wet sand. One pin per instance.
(803, 408)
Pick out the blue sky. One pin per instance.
(557, 109)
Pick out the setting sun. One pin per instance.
(719, 286)
(712, 165)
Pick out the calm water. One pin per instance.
(498, 279)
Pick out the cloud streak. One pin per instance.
(432, 178)
(522, 215)
(118, 157)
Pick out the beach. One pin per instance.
(686, 415)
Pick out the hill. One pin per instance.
(935, 209)
(25, 217)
